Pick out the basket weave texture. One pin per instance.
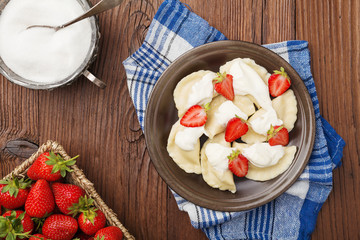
(76, 177)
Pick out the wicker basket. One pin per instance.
(76, 177)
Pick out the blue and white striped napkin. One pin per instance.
(175, 30)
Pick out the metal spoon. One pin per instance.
(101, 6)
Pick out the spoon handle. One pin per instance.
(101, 6)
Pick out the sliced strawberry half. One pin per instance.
(238, 164)
(224, 85)
(194, 117)
(278, 82)
(235, 128)
(278, 135)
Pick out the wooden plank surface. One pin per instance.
(101, 125)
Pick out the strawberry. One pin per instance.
(66, 195)
(278, 82)
(13, 192)
(224, 85)
(91, 221)
(235, 128)
(60, 227)
(40, 201)
(278, 135)
(15, 225)
(50, 166)
(195, 116)
(109, 233)
(38, 236)
(238, 164)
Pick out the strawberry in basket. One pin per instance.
(50, 166)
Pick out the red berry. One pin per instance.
(278, 135)
(50, 166)
(60, 227)
(40, 201)
(278, 82)
(39, 236)
(235, 128)
(91, 221)
(13, 192)
(238, 164)
(194, 117)
(66, 195)
(11, 227)
(109, 233)
(224, 85)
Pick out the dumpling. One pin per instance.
(188, 160)
(187, 92)
(263, 73)
(216, 124)
(285, 106)
(267, 173)
(219, 176)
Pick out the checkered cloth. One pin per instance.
(175, 30)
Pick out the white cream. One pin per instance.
(247, 81)
(187, 138)
(41, 54)
(263, 155)
(217, 155)
(262, 124)
(226, 111)
(202, 91)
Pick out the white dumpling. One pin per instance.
(212, 126)
(267, 173)
(223, 180)
(286, 108)
(187, 85)
(189, 161)
(263, 73)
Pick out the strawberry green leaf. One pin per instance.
(10, 236)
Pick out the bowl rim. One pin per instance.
(181, 190)
(90, 58)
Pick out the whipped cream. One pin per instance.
(226, 111)
(187, 138)
(217, 155)
(202, 91)
(41, 54)
(262, 123)
(263, 155)
(247, 81)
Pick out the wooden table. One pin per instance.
(101, 125)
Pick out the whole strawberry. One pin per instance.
(224, 85)
(235, 128)
(66, 195)
(13, 192)
(15, 225)
(109, 233)
(91, 221)
(38, 236)
(60, 227)
(40, 201)
(50, 166)
(278, 135)
(278, 82)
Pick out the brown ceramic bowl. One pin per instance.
(161, 114)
